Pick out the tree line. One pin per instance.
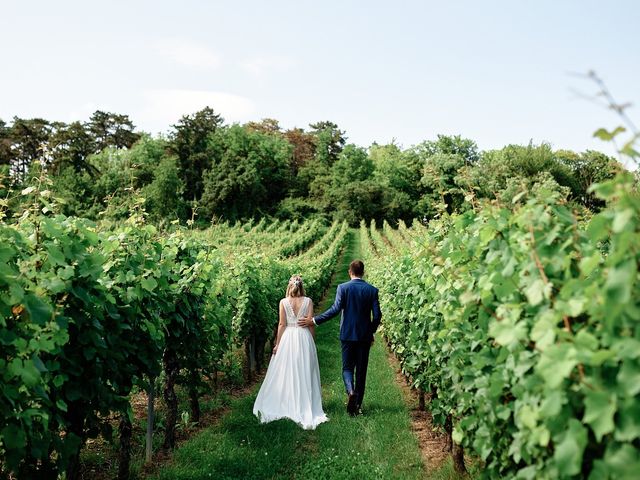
(207, 170)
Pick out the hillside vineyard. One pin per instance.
(522, 323)
(90, 314)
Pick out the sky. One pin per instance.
(495, 71)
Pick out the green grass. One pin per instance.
(378, 444)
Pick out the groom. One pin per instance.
(361, 315)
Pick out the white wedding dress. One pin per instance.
(291, 387)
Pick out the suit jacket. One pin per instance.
(358, 303)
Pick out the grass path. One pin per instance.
(377, 445)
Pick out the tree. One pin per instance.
(440, 181)
(353, 192)
(353, 164)
(71, 145)
(29, 139)
(249, 176)
(588, 168)
(112, 130)
(189, 142)
(314, 174)
(78, 189)
(330, 141)
(146, 159)
(295, 208)
(5, 143)
(491, 173)
(450, 145)
(314, 182)
(400, 173)
(163, 196)
(304, 148)
(266, 125)
(361, 199)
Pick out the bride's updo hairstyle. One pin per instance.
(295, 288)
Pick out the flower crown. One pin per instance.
(295, 281)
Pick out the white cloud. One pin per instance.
(164, 107)
(189, 53)
(259, 66)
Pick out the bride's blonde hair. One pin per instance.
(295, 288)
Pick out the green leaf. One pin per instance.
(629, 151)
(601, 356)
(55, 255)
(598, 227)
(487, 234)
(626, 347)
(13, 437)
(570, 445)
(544, 330)
(575, 306)
(457, 434)
(621, 219)
(149, 283)
(528, 416)
(556, 363)
(586, 340)
(40, 366)
(622, 461)
(620, 281)
(535, 292)
(30, 374)
(39, 311)
(26, 370)
(600, 407)
(628, 424)
(507, 331)
(590, 263)
(629, 147)
(629, 378)
(528, 473)
(605, 135)
(61, 405)
(73, 392)
(552, 403)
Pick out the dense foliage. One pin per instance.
(90, 310)
(512, 299)
(521, 319)
(206, 170)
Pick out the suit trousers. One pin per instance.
(355, 356)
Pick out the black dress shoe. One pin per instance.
(351, 404)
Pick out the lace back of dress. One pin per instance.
(292, 318)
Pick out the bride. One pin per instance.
(291, 387)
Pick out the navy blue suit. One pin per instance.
(357, 301)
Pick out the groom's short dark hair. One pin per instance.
(357, 268)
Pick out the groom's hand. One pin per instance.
(305, 322)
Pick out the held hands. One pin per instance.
(305, 322)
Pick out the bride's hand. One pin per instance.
(275, 349)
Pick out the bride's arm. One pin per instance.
(282, 324)
(312, 327)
